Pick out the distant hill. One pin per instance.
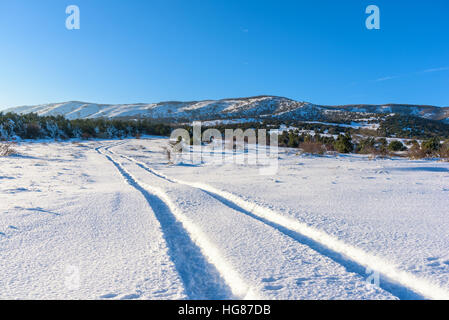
(262, 107)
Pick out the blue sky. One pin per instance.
(157, 50)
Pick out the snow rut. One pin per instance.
(203, 271)
(402, 284)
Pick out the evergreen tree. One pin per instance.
(396, 145)
(431, 145)
(343, 144)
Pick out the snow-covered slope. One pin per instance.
(261, 106)
(255, 106)
(341, 227)
(427, 112)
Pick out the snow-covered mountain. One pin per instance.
(260, 106)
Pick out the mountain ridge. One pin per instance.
(262, 106)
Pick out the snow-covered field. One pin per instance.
(111, 220)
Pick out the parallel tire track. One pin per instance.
(400, 283)
(204, 273)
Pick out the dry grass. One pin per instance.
(444, 152)
(416, 152)
(6, 150)
(379, 154)
(172, 150)
(312, 147)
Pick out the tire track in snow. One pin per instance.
(402, 284)
(204, 273)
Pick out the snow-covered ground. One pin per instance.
(112, 220)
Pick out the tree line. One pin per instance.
(32, 126)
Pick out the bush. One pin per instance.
(396, 145)
(412, 127)
(431, 146)
(366, 146)
(173, 149)
(32, 126)
(33, 131)
(416, 152)
(293, 141)
(6, 150)
(444, 150)
(344, 144)
(312, 147)
(86, 136)
(382, 142)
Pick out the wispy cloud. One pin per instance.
(436, 69)
(410, 74)
(387, 78)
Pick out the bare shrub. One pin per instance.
(376, 153)
(329, 148)
(171, 150)
(411, 142)
(372, 147)
(444, 152)
(87, 136)
(431, 148)
(6, 150)
(168, 153)
(416, 152)
(312, 147)
(33, 130)
(367, 132)
(371, 150)
(368, 150)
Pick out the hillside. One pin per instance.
(253, 107)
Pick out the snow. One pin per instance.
(237, 108)
(353, 125)
(62, 216)
(229, 121)
(133, 227)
